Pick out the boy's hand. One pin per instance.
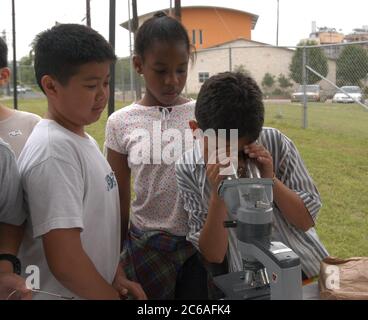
(219, 166)
(126, 287)
(263, 158)
(10, 282)
(213, 175)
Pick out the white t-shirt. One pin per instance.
(68, 184)
(16, 129)
(157, 205)
(11, 192)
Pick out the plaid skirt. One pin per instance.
(154, 259)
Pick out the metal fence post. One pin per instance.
(15, 93)
(112, 21)
(305, 99)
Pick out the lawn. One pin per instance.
(335, 150)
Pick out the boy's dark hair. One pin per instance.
(160, 27)
(231, 101)
(3, 53)
(61, 50)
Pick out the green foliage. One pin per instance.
(352, 66)
(316, 59)
(122, 74)
(268, 80)
(278, 92)
(26, 74)
(284, 82)
(365, 91)
(242, 69)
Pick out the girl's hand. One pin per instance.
(126, 287)
(263, 158)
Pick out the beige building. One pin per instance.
(327, 36)
(359, 34)
(256, 58)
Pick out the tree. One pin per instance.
(26, 74)
(268, 80)
(284, 82)
(316, 59)
(122, 74)
(352, 66)
(242, 69)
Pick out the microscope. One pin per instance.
(271, 270)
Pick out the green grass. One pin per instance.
(335, 150)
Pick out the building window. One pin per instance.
(203, 76)
(200, 37)
(193, 37)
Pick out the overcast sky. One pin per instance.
(296, 16)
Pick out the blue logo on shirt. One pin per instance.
(111, 181)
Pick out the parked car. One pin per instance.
(28, 89)
(355, 93)
(313, 92)
(20, 89)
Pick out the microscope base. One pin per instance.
(234, 288)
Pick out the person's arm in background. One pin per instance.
(72, 267)
(119, 164)
(11, 224)
(10, 239)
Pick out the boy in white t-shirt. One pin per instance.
(73, 235)
(12, 218)
(15, 126)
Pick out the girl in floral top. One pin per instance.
(144, 140)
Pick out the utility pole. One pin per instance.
(178, 9)
(138, 88)
(15, 93)
(88, 12)
(277, 28)
(112, 23)
(132, 86)
(170, 12)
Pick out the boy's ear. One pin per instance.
(49, 86)
(4, 76)
(138, 64)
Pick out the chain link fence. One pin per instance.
(305, 76)
(290, 77)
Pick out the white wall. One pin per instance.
(257, 60)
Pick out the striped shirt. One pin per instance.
(289, 168)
